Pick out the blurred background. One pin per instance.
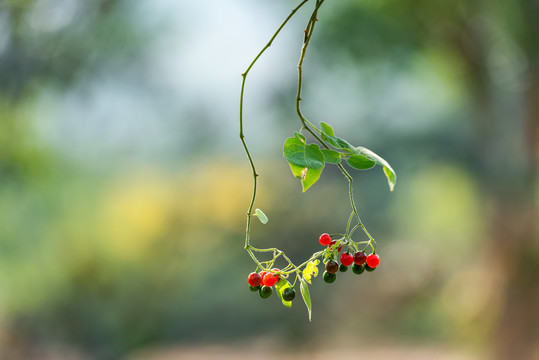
(124, 186)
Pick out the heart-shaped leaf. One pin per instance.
(306, 161)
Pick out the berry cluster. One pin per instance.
(264, 281)
(359, 260)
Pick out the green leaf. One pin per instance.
(281, 285)
(331, 156)
(391, 176)
(388, 170)
(306, 295)
(360, 162)
(361, 158)
(306, 161)
(261, 216)
(299, 136)
(339, 143)
(327, 129)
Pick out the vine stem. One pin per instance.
(242, 136)
(308, 34)
(372, 242)
(309, 126)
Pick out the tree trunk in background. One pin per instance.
(515, 237)
(507, 148)
(508, 160)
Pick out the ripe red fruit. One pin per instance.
(325, 239)
(360, 258)
(270, 279)
(262, 273)
(254, 279)
(373, 260)
(333, 243)
(347, 259)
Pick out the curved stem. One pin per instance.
(242, 136)
(348, 233)
(308, 34)
(354, 209)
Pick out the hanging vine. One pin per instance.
(307, 161)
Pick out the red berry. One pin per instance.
(360, 258)
(373, 260)
(254, 279)
(270, 279)
(347, 259)
(262, 273)
(333, 243)
(325, 239)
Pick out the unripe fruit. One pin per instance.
(368, 268)
(373, 260)
(325, 239)
(358, 269)
(360, 258)
(343, 268)
(289, 294)
(347, 259)
(329, 278)
(265, 292)
(255, 288)
(254, 279)
(332, 266)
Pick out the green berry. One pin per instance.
(368, 268)
(289, 294)
(329, 277)
(358, 269)
(343, 268)
(254, 288)
(265, 292)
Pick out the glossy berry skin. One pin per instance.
(265, 292)
(324, 239)
(254, 279)
(289, 294)
(262, 274)
(332, 266)
(333, 243)
(368, 268)
(373, 260)
(358, 269)
(343, 268)
(360, 258)
(270, 279)
(329, 278)
(347, 259)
